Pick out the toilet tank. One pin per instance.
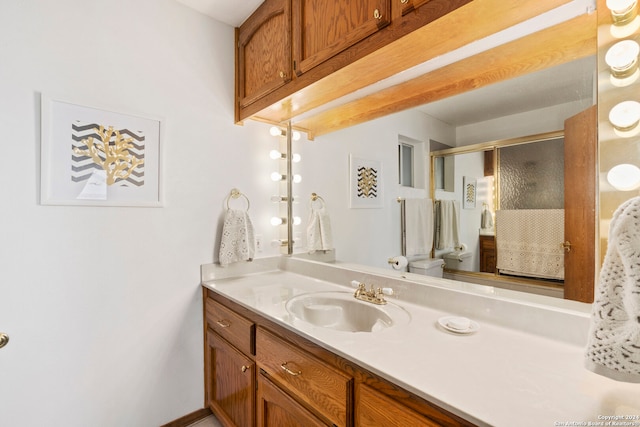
(459, 260)
(428, 267)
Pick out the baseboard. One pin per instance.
(189, 418)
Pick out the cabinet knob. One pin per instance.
(4, 339)
(377, 15)
(282, 74)
(404, 1)
(244, 368)
(567, 246)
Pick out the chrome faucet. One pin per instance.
(374, 296)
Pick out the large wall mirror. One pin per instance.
(482, 127)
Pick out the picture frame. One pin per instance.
(365, 183)
(469, 192)
(94, 156)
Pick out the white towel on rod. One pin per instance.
(238, 240)
(447, 224)
(486, 219)
(613, 344)
(319, 236)
(418, 215)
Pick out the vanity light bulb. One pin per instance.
(624, 14)
(276, 221)
(296, 136)
(622, 58)
(276, 176)
(297, 220)
(278, 199)
(297, 179)
(296, 158)
(275, 154)
(624, 177)
(625, 117)
(276, 131)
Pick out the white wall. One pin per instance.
(102, 304)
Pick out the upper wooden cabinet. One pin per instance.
(263, 58)
(323, 28)
(410, 5)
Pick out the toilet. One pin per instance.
(427, 266)
(458, 260)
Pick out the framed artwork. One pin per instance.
(96, 157)
(365, 183)
(469, 193)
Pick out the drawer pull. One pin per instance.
(289, 371)
(377, 15)
(244, 368)
(404, 1)
(223, 323)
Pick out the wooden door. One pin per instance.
(324, 28)
(263, 59)
(580, 148)
(277, 409)
(230, 383)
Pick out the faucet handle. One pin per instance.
(356, 284)
(388, 291)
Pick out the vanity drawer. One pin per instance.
(231, 326)
(316, 384)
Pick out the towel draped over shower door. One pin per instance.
(529, 242)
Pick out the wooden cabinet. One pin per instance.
(316, 384)
(263, 58)
(487, 254)
(376, 409)
(323, 28)
(289, 381)
(230, 373)
(277, 409)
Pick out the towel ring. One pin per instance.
(235, 194)
(314, 198)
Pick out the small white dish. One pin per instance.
(457, 324)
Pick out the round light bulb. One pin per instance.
(278, 199)
(296, 136)
(275, 131)
(625, 117)
(276, 221)
(624, 177)
(622, 11)
(275, 154)
(297, 179)
(297, 220)
(622, 58)
(276, 176)
(296, 158)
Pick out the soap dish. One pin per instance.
(458, 325)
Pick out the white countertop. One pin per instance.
(530, 374)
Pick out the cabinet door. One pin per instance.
(230, 382)
(375, 409)
(277, 409)
(264, 51)
(324, 28)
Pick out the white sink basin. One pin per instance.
(342, 312)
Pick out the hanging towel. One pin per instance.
(418, 226)
(447, 224)
(319, 230)
(486, 218)
(238, 241)
(613, 346)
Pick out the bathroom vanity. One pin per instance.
(277, 354)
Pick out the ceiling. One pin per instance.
(232, 13)
(565, 83)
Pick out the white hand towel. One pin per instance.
(613, 347)
(486, 218)
(448, 228)
(238, 241)
(418, 226)
(319, 236)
